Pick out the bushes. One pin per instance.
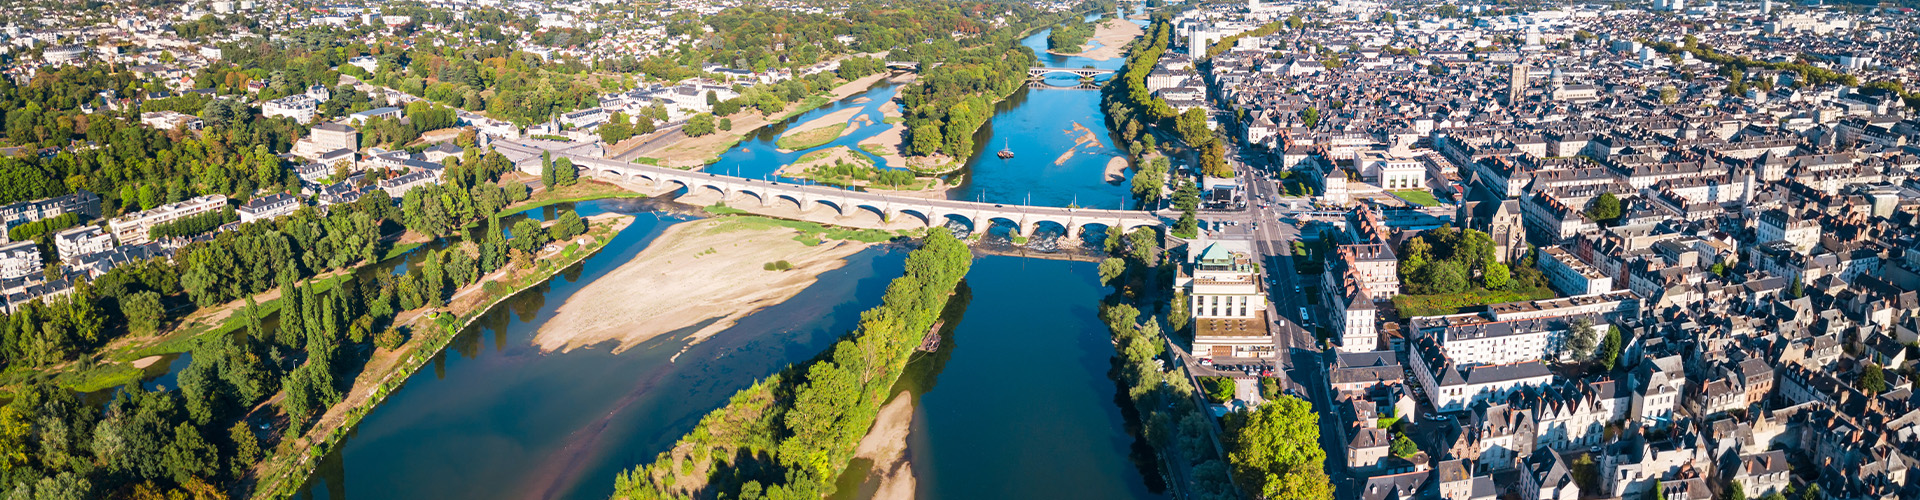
(778, 265)
(1218, 389)
(193, 225)
(34, 229)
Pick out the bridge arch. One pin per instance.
(924, 215)
(877, 210)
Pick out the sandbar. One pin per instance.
(886, 446)
(1112, 36)
(710, 269)
(1116, 169)
(829, 119)
(145, 362)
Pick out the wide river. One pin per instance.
(1022, 407)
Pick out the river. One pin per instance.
(495, 418)
(1022, 408)
(1017, 402)
(1040, 125)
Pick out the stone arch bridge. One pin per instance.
(1041, 72)
(844, 202)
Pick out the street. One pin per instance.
(1300, 356)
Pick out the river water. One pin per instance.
(1040, 125)
(1022, 407)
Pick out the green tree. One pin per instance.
(143, 311)
(1736, 491)
(1275, 451)
(1192, 126)
(1310, 117)
(1447, 277)
(1111, 269)
(698, 125)
(1581, 339)
(246, 448)
(1605, 209)
(1873, 379)
(1178, 314)
(1610, 348)
(189, 456)
(1497, 276)
(1403, 446)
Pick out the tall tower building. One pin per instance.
(1517, 84)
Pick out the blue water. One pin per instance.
(493, 417)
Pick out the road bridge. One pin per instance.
(932, 212)
(1042, 72)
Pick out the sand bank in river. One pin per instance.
(886, 446)
(1112, 36)
(1116, 169)
(694, 272)
(829, 119)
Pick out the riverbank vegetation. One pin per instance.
(790, 435)
(1070, 35)
(271, 311)
(1164, 400)
(1270, 452)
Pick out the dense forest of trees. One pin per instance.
(136, 167)
(951, 101)
(199, 439)
(789, 436)
(1070, 35)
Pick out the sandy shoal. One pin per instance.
(886, 446)
(1116, 169)
(827, 120)
(688, 152)
(1112, 36)
(145, 362)
(841, 153)
(887, 142)
(694, 272)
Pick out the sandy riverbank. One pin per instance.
(1112, 36)
(886, 144)
(695, 151)
(886, 446)
(830, 119)
(821, 158)
(1116, 169)
(695, 272)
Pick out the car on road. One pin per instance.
(1206, 362)
(1304, 317)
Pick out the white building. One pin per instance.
(132, 229)
(1454, 387)
(19, 259)
(80, 241)
(1571, 276)
(299, 107)
(1393, 172)
(268, 207)
(1778, 225)
(1226, 299)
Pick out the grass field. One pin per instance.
(1442, 304)
(810, 138)
(1417, 196)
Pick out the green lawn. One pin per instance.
(1417, 196)
(1442, 304)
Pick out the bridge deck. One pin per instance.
(726, 183)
